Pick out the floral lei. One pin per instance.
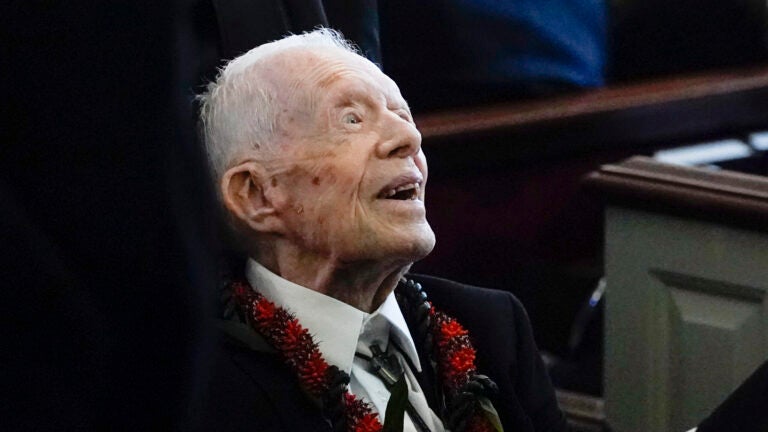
(452, 350)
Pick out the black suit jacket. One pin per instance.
(250, 390)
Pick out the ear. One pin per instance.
(243, 192)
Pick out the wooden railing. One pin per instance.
(725, 197)
(654, 113)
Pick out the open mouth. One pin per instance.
(406, 192)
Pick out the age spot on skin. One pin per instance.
(316, 181)
(273, 182)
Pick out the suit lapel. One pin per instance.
(427, 379)
(295, 409)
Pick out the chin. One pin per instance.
(401, 246)
(419, 245)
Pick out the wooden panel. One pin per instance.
(686, 317)
(687, 276)
(718, 335)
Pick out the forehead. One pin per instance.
(332, 70)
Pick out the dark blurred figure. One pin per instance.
(108, 224)
(104, 217)
(464, 52)
(745, 408)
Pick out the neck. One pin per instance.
(363, 284)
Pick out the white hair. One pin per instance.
(239, 110)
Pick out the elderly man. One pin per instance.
(319, 164)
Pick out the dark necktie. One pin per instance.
(389, 370)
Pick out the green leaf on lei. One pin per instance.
(490, 413)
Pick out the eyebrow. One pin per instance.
(354, 96)
(348, 96)
(402, 104)
(358, 93)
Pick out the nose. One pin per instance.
(400, 138)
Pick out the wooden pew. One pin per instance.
(686, 264)
(504, 194)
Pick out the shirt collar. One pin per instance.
(399, 329)
(334, 325)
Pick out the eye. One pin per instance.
(405, 115)
(351, 119)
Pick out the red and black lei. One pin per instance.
(451, 349)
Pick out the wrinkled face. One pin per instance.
(351, 162)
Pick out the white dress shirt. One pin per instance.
(340, 330)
